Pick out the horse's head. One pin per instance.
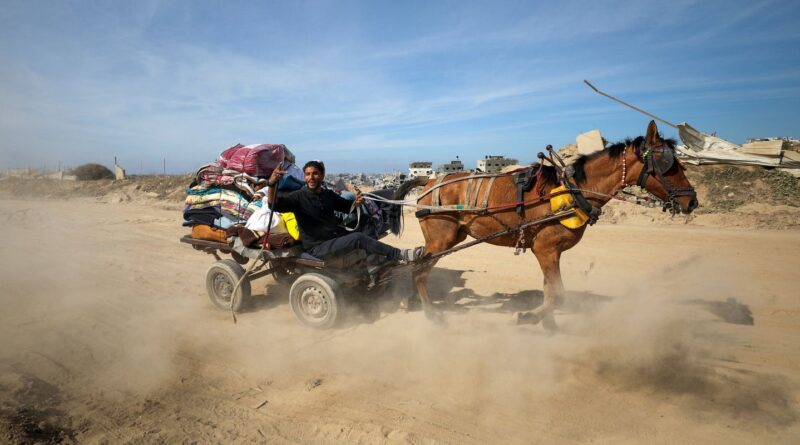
(662, 174)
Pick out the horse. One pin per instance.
(647, 161)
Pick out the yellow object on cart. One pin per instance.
(291, 224)
(561, 200)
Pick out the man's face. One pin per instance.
(313, 177)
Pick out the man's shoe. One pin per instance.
(412, 255)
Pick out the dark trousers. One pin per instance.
(350, 242)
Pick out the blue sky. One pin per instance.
(373, 85)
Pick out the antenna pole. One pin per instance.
(629, 105)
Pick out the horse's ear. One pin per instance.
(652, 138)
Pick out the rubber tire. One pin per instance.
(326, 289)
(227, 273)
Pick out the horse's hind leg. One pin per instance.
(440, 234)
(549, 261)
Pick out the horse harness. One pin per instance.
(470, 196)
(657, 161)
(524, 180)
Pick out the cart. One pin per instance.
(317, 288)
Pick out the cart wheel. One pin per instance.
(313, 300)
(221, 278)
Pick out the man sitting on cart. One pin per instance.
(314, 207)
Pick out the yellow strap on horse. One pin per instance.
(561, 202)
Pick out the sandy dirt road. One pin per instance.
(107, 336)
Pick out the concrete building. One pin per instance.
(417, 169)
(494, 164)
(21, 173)
(452, 167)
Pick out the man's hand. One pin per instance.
(359, 198)
(276, 176)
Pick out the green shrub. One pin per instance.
(92, 172)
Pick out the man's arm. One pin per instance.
(287, 201)
(272, 182)
(341, 204)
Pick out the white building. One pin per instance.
(494, 164)
(417, 169)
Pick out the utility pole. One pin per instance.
(165, 166)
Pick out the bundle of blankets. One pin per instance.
(228, 197)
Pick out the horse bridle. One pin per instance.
(657, 161)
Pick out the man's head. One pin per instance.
(314, 174)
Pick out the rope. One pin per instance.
(358, 217)
(260, 252)
(460, 208)
(463, 178)
(396, 270)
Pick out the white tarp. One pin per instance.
(699, 141)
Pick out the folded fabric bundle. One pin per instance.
(231, 204)
(204, 232)
(205, 215)
(228, 192)
(213, 176)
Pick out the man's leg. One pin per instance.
(351, 242)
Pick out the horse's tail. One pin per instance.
(395, 211)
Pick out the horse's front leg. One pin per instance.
(549, 261)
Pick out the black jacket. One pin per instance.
(314, 213)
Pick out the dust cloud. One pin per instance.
(108, 335)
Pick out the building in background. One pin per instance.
(494, 164)
(417, 169)
(452, 167)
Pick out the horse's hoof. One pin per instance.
(410, 304)
(549, 324)
(436, 316)
(525, 318)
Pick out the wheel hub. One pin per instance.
(313, 302)
(223, 287)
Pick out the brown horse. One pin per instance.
(649, 161)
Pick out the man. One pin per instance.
(314, 206)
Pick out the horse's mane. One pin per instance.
(613, 151)
(549, 173)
